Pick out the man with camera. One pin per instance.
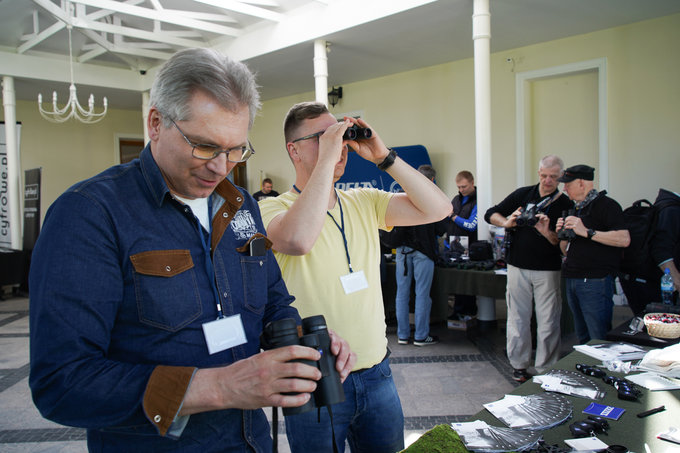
(592, 239)
(534, 261)
(151, 282)
(326, 242)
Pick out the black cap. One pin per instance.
(578, 172)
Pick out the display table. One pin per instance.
(629, 430)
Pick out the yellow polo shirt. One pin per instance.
(314, 278)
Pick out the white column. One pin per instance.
(481, 35)
(145, 115)
(13, 208)
(321, 71)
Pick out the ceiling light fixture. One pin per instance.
(334, 96)
(72, 109)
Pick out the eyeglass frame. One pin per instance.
(218, 150)
(307, 137)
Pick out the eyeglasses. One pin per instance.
(206, 152)
(307, 137)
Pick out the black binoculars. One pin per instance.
(284, 332)
(625, 390)
(357, 133)
(588, 427)
(566, 233)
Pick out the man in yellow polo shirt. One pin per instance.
(326, 242)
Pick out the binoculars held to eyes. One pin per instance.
(357, 133)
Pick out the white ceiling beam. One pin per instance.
(85, 24)
(33, 67)
(238, 7)
(92, 53)
(164, 16)
(126, 48)
(262, 2)
(54, 10)
(309, 22)
(37, 38)
(40, 37)
(203, 16)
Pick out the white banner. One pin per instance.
(9, 191)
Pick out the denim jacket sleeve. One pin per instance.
(76, 287)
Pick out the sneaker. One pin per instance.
(430, 340)
(521, 375)
(402, 341)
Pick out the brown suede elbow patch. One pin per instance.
(164, 394)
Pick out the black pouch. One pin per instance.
(481, 251)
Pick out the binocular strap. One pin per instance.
(275, 428)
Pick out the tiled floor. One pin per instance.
(437, 384)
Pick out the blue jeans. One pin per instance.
(412, 263)
(370, 418)
(591, 303)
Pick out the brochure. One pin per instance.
(604, 411)
(612, 351)
(481, 437)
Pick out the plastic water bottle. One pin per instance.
(667, 287)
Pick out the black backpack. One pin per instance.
(640, 220)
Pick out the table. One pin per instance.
(448, 280)
(629, 430)
(14, 266)
(640, 338)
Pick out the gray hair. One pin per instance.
(551, 160)
(228, 81)
(428, 171)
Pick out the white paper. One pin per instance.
(586, 444)
(652, 381)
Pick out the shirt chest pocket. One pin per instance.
(166, 288)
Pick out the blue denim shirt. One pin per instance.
(121, 282)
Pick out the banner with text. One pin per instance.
(7, 195)
(362, 173)
(31, 207)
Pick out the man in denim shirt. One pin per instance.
(146, 300)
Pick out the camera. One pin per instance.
(566, 234)
(283, 332)
(528, 215)
(357, 133)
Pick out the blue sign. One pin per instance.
(362, 173)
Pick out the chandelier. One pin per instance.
(72, 109)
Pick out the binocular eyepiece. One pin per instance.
(357, 133)
(283, 332)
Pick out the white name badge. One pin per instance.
(353, 282)
(224, 333)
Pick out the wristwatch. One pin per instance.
(388, 161)
(591, 233)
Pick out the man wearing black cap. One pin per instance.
(534, 262)
(593, 252)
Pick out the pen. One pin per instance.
(651, 411)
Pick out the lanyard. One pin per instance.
(206, 240)
(341, 226)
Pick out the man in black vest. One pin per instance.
(534, 261)
(464, 223)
